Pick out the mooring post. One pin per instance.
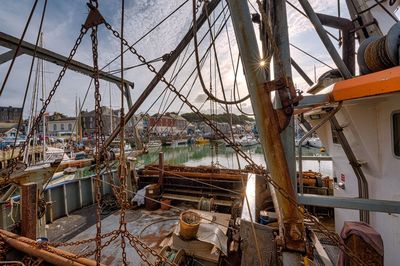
(29, 206)
(161, 169)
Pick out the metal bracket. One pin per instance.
(288, 96)
(294, 235)
(94, 17)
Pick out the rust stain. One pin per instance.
(109, 260)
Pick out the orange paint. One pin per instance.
(378, 83)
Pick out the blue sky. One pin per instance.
(61, 27)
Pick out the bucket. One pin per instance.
(189, 225)
(165, 204)
(152, 197)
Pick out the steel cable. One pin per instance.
(18, 47)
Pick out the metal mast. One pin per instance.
(268, 122)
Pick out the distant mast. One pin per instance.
(43, 99)
(77, 118)
(80, 121)
(111, 111)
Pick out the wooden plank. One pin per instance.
(197, 175)
(227, 203)
(161, 172)
(320, 250)
(200, 192)
(196, 169)
(29, 208)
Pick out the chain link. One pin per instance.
(134, 241)
(98, 130)
(3, 249)
(334, 237)
(100, 138)
(38, 119)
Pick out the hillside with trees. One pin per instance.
(236, 119)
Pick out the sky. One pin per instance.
(62, 23)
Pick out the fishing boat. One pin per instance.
(201, 140)
(53, 154)
(315, 142)
(236, 140)
(178, 142)
(154, 144)
(248, 140)
(211, 215)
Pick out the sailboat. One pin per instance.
(248, 140)
(356, 116)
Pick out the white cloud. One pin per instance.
(62, 24)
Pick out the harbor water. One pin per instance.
(207, 154)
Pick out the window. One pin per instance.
(335, 137)
(62, 126)
(396, 133)
(70, 127)
(55, 127)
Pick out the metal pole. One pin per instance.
(325, 39)
(309, 133)
(267, 122)
(301, 72)
(161, 167)
(361, 179)
(282, 68)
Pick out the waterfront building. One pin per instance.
(10, 114)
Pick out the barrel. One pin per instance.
(189, 223)
(152, 197)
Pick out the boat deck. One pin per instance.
(81, 225)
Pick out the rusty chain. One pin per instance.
(121, 195)
(3, 249)
(122, 163)
(139, 252)
(98, 129)
(237, 149)
(106, 243)
(100, 140)
(135, 241)
(81, 242)
(38, 119)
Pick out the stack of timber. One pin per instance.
(315, 183)
(194, 184)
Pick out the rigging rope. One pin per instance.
(198, 62)
(18, 47)
(184, 100)
(282, 191)
(194, 70)
(147, 33)
(310, 55)
(29, 76)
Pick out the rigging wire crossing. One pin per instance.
(184, 99)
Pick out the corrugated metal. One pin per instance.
(57, 206)
(86, 187)
(73, 196)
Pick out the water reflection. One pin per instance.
(195, 155)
